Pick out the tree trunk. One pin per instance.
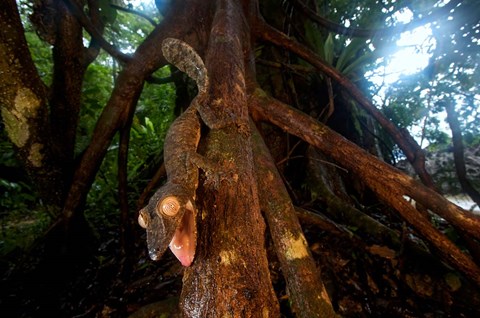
(458, 152)
(24, 108)
(305, 287)
(230, 276)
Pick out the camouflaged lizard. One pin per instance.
(170, 216)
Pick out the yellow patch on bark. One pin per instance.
(35, 156)
(260, 92)
(217, 101)
(270, 176)
(228, 257)
(16, 119)
(265, 312)
(240, 88)
(295, 248)
(324, 296)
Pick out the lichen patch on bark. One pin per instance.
(270, 176)
(296, 248)
(228, 257)
(16, 119)
(265, 312)
(35, 156)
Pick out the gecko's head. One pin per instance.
(170, 221)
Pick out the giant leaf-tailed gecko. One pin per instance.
(170, 216)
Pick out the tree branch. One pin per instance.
(69, 56)
(98, 38)
(305, 287)
(121, 105)
(23, 104)
(94, 33)
(387, 182)
(135, 12)
(458, 152)
(409, 146)
(94, 16)
(336, 200)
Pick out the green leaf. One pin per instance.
(358, 63)
(329, 49)
(314, 38)
(149, 124)
(349, 53)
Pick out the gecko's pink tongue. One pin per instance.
(184, 240)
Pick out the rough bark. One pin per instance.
(306, 291)
(230, 273)
(41, 125)
(387, 182)
(23, 101)
(229, 277)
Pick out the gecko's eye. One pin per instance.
(143, 219)
(169, 206)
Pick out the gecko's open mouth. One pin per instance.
(185, 239)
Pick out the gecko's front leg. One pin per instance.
(170, 216)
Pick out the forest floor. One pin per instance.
(362, 282)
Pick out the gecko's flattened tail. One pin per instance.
(184, 57)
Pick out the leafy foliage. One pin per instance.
(417, 102)
(23, 217)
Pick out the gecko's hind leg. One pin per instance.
(214, 172)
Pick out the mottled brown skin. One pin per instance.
(180, 146)
(177, 229)
(164, 230)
